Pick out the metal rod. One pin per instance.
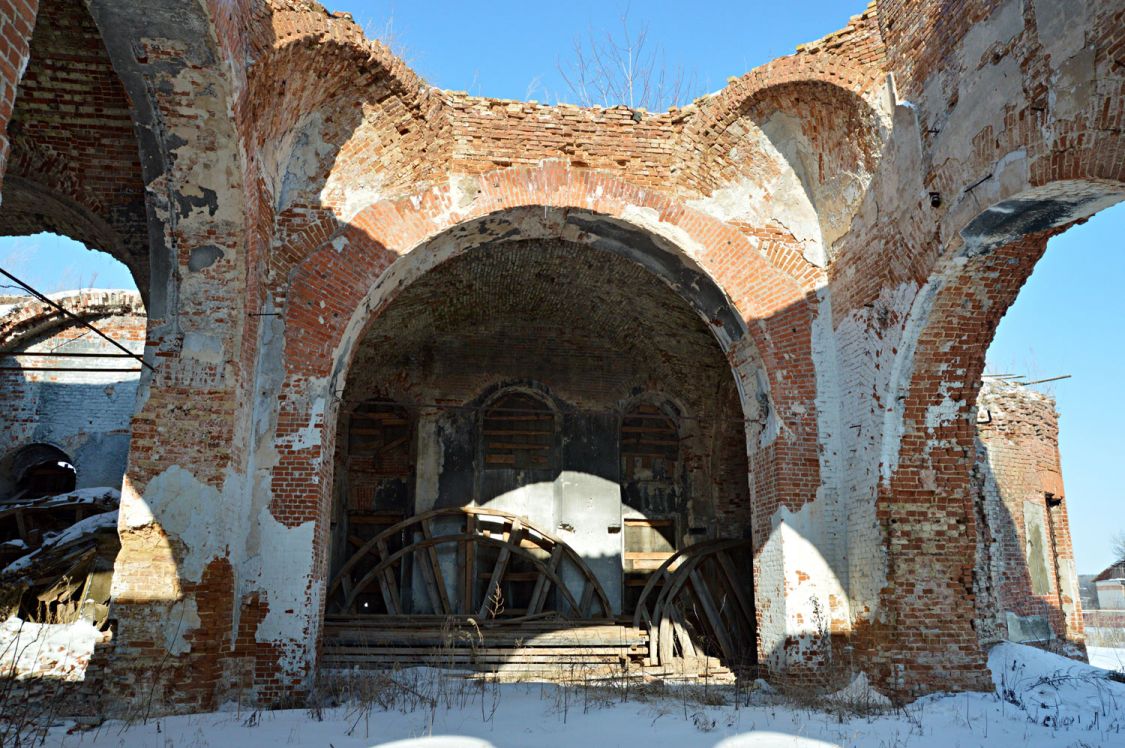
(1051, 379)
(64, 354)
(33, 369)
(75, 317)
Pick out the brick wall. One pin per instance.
(74, 167)
(295, 177)
(86, 414)
(1029, 555)
(17, 19)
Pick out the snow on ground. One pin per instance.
(1110, 658)
(1057, 692)
(1041, 700)
(59, 650)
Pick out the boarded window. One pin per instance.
(650, 460)
(650, 470)
(650, 443)
(378, 489)
(380, 458)
(519, 434)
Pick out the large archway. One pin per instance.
(566, 385)
(931, 436)
(322, 330)
(312, 323)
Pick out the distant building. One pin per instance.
(1110, 587)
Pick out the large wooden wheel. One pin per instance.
(696, 604)
(470, 561)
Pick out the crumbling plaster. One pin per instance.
(827, 215)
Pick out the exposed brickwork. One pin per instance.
(1023, 503)
(291, 178)
(17, 19)
(74, 167)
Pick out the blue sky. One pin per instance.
(1067, 320)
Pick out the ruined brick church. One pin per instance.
(642, 389)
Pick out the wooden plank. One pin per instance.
(427, 572)
(679, 626)
(513, 536)
(648, 555)
(435, 566)
(387, 582)
(347, 585)
(645, 522)
(718, 627)
(543, 584)
(744, 604)
(644, 565)
(468, 570)
(495, 655)
(532, 634)
(587, 600)
(664, 642)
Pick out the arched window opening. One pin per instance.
(519, 438)
(42, 470)
(518, 431)
(70, 363)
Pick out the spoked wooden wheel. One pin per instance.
(468, 561)
(698, 604)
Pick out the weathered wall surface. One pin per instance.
(17, 19)
(860, 215)
(1027, 550)
(86, 414)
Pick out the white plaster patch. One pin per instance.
(285, 579)
(308, 436)
(1068, 581)
(898, 386)
(1062, 27)
(801, 608)
(182, 619)
(828, 400)
(649, 219)
(203, 347)
(189, 511)
(944, 412)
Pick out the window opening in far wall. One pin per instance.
(519, 434)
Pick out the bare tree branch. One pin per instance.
(607, 70)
